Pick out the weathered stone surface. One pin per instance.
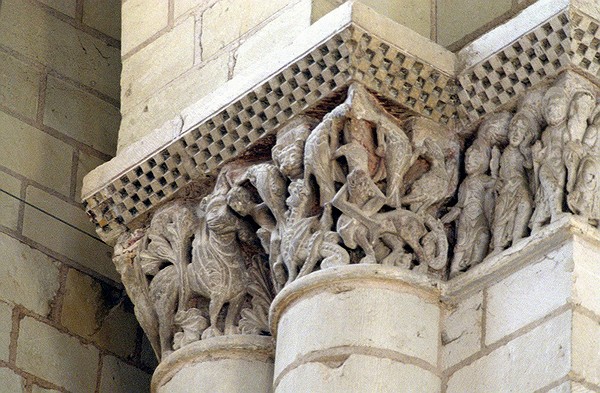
(9, 206)
(67, 7)
(377, 318)
(5, 329)
(38, 389)
(183, 6)
(104, 16)
(86, 163)
(215, 37)
(145, 72)
(56, 357)
(359, 373)
(89, 311)
(579, 388)
(586, 348)
(586, 290)
(461, 330)
(25, 27)
(563, 388)
(222, 375)
(528, 294)
(522, 365)
(138, 29)
(81, 116)
(120, 377)
(63, 239)
(169, 101)
(19, 137)
(11, 382)
(27, 277)
(19, 85)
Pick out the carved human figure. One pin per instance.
(549, 167)
(358, 200)
(217, 271)
(288, 152)
(582, 106)
(472, 228)
(584, 200)
(242, 202)
(514, 202)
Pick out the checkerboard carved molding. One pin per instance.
(409, 82)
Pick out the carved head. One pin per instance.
(298, 194)
(522, 130)
(494, 128)
(477, 159)
(555, 106)
(582, 104)
(240, 200)
(218, 218)
(358, 182)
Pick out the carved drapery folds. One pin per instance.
(357, 186)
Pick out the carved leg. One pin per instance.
(363, 241)
(214, 308)
(235, 306)
(523, 213)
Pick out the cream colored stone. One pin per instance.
(27, 28)
(38, 389)
(359, 373)
(85, 165)
(589, 7)
(120, 377)
(10, 382)
(157, 64)
(56, 357)
(562, 388)
(374, 317)
(5, 329)
(19, 85)
(81, 116)
(586, 291)
(222, 376)
(525, 364)
(67, 7)
(286, 27)
(168, 102)
(18, 138)
(241, 17)
(586, 348)
(141, 20)
(9, 206)
(27, 277)
(457, 18)
(528, 294)
(87, 311)
(104, 16)
(579, 388)
(461, 330)
(63, 239)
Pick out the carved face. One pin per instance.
(289, 159)
(218, 218)
(238, 198)
(556, 107)
(476, 161)
(519, 129)
(297, 194)
(583, 103)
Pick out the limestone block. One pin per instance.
(222, 376)
(19, 85)
(85, 164)
(461, 331)
(67, 7)
(82, 116)
(104, 16)
(157, 64)
(56, 357)
(528, 294)
(183, 6)
(80, 247)
(9, 206)
(378, 318)
(168, 102)
(589, 7)
(27, 277)
(11, 382)
(89, 311)
(359, 373)
(586, 290)
(457, 18)
(141, 20)
(27, 28)
(18, 138)
(562, 388)
(522, 365)
(241, 17)
(5, 329)
(579, 388)
(120, 377)
(586, 347)
(286, 27)
(38, 389)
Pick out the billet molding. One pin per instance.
(410, 84)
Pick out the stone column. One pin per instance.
(359, 328)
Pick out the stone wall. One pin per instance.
(64, 322)
(181, 50)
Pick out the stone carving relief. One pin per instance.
(360, 186)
